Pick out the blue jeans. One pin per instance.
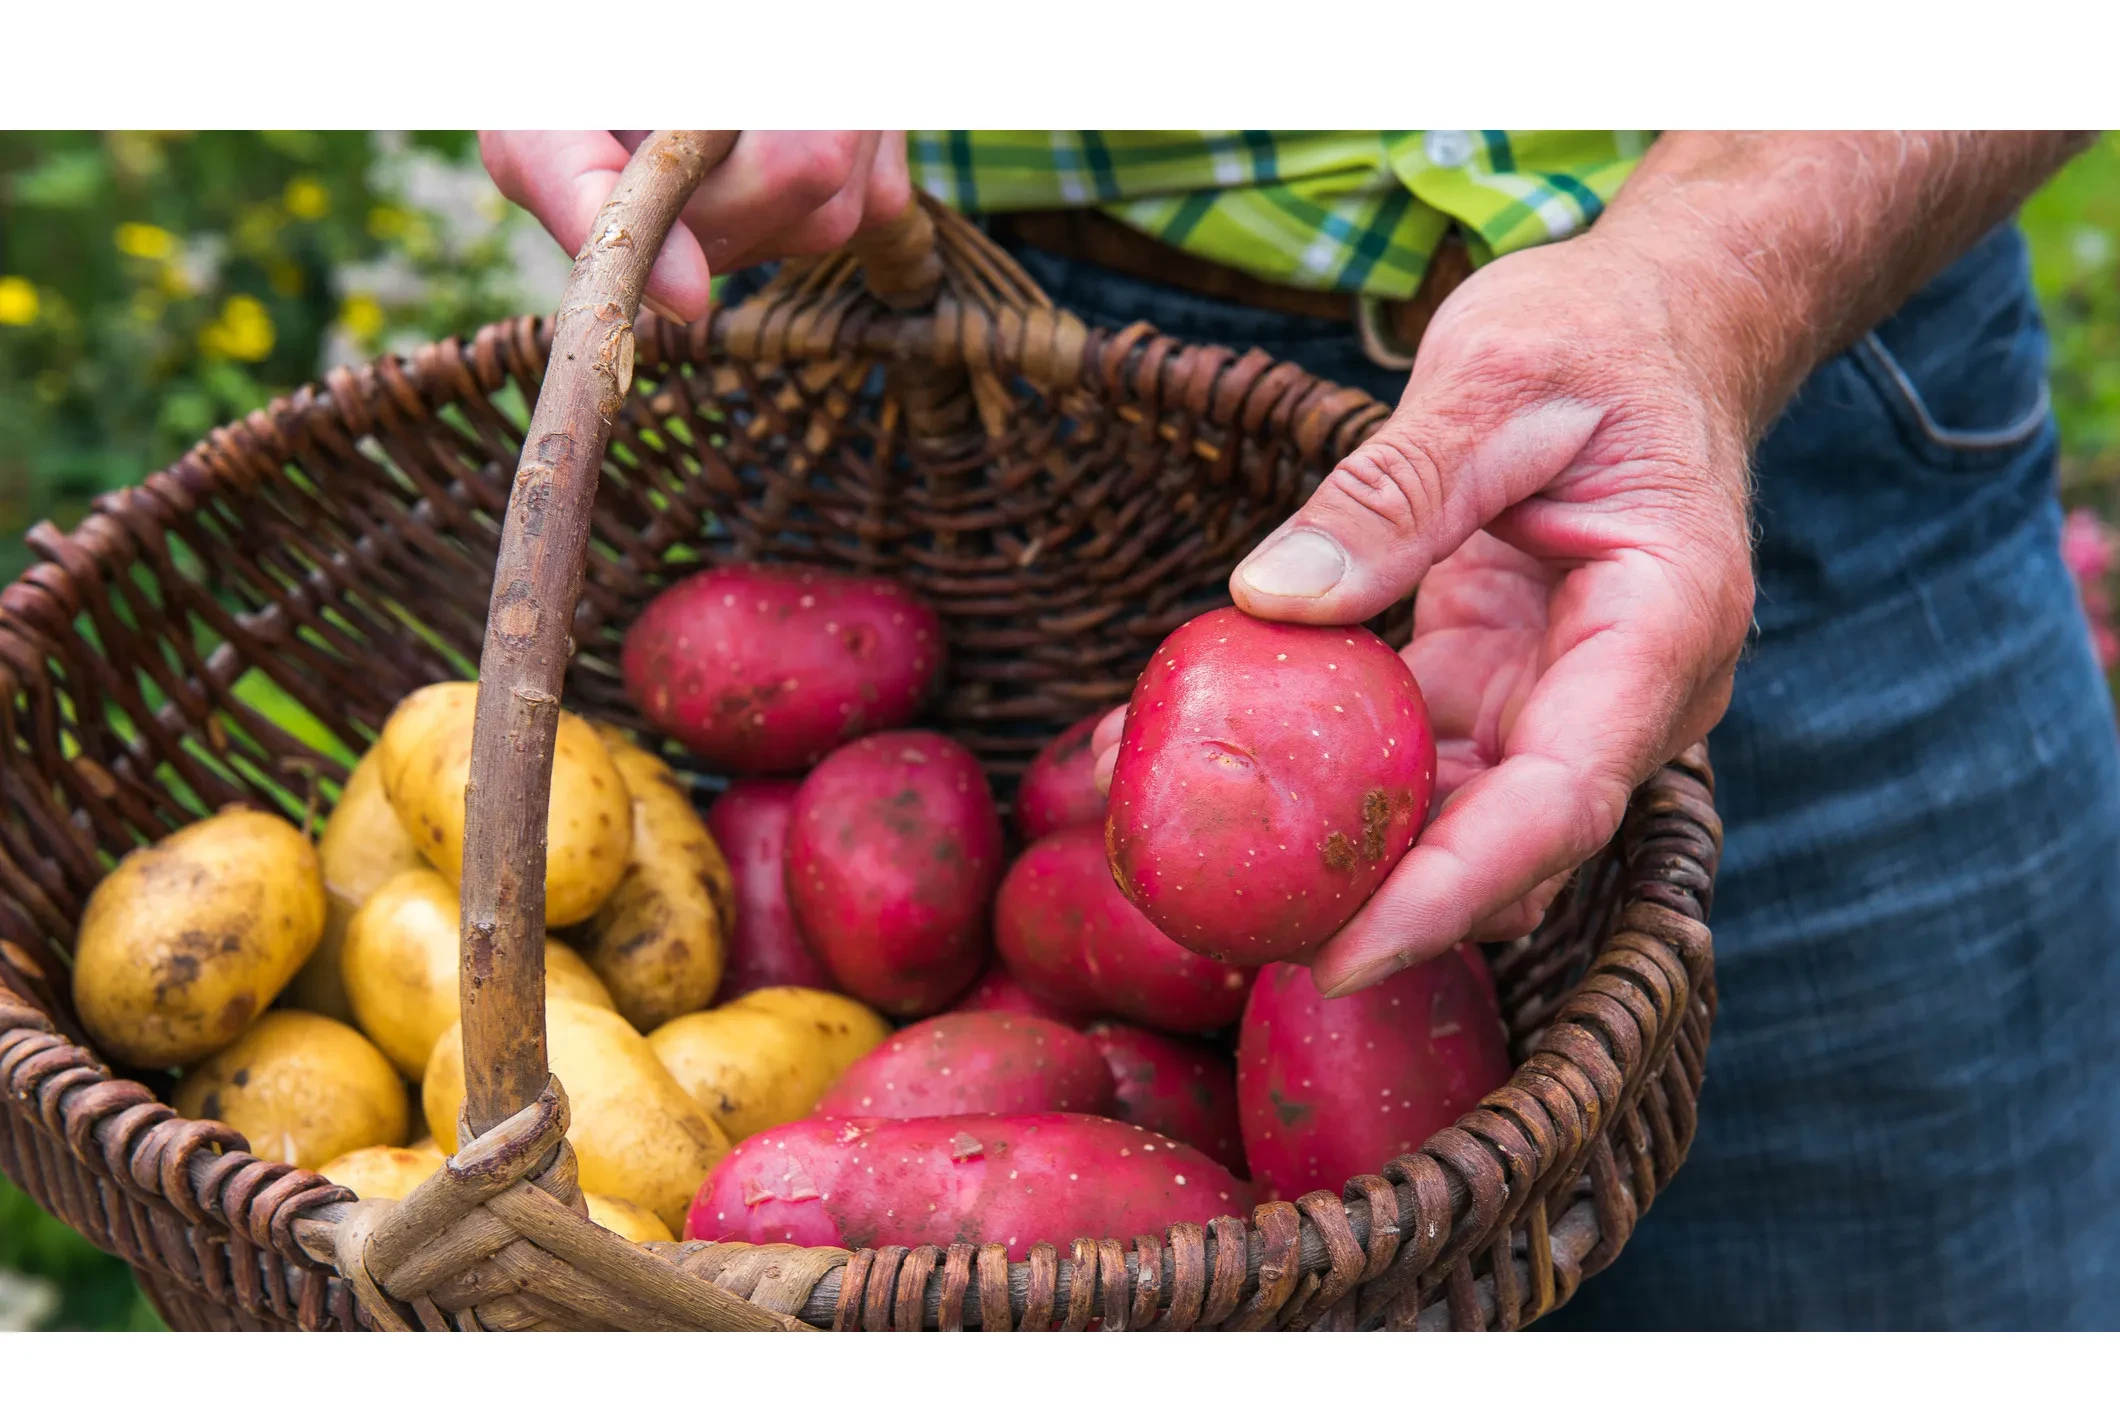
(1912, 1116)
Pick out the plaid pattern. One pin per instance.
(1360, 212)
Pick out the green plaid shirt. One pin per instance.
(1360, 212)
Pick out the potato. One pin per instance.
(658, 941)
(1069, 936)
(426, 763)
(382, 1171)
(755, 1067)
(1331, 1089)
(894, 851)
(426, 1144)
(362, 848)
(1269, 778)
(185, 942)
(302, 1089)
(975, 1063)
(843, 1029)
(1059, 787)
(1011, 1179)
(762, 669)
(749, 821)
(636, 1134)
(399, 963)
(629, 1221)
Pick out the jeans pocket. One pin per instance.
(1995, 411)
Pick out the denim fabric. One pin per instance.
(1912, 1116)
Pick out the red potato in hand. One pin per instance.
(894, 849)
(1182, 1089)
(763, 669)
(1017, 1180)
(975, 1063)
(1059, 787)
(998, 991)
(749, 821)
(1069, 936)
(1330, 1089)
(1269, 776)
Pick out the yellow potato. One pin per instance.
(657, 942)
(382, 1171)
(752, 1068)
(362, 848)
(427, 1144)
(629, 1221)
(841, 1029)
(426, 763)
(186, 941)
(416, 714)
(399, 963)
(636, 1134)
(302, 1089)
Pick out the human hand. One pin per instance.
(775, 195)
(1565, 480)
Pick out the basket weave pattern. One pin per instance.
(1089, 491)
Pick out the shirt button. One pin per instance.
(1448, 147)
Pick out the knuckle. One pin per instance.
(1389, 478)
(824, 165)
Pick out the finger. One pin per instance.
(564, 178)
(1520, 918)
(1594, 727)
(1105, 743)
(1108, 730)
(828, 227)
(769, 182)
(890, 183)
(1462, 447)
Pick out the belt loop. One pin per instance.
(1379, 343)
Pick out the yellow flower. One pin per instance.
(362, 317)
(242, 332)
(306, 199)
(137, 238)
(18, 300)
(385, 222)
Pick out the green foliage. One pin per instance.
(2074, 228)
(156, 285)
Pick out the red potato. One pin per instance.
(975, 1063)
(1017, 1180)
(1069, 936)
(1329, 1090)
(1058, 787)
(1269, 777)
(1182, 1089)
(893, 853)
(749, 821)
(762, 669)
(997, 991)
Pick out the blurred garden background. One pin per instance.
(155, 285)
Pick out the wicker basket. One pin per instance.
(1064, 495)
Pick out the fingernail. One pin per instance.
(1364, 976)
(662, 311)
(1303, 564)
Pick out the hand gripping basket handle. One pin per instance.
(538, 577)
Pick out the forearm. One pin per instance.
(1782, 248)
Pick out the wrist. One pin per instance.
(1744, 336)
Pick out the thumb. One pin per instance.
(1458, 452)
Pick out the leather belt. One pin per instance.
(1390, 330)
